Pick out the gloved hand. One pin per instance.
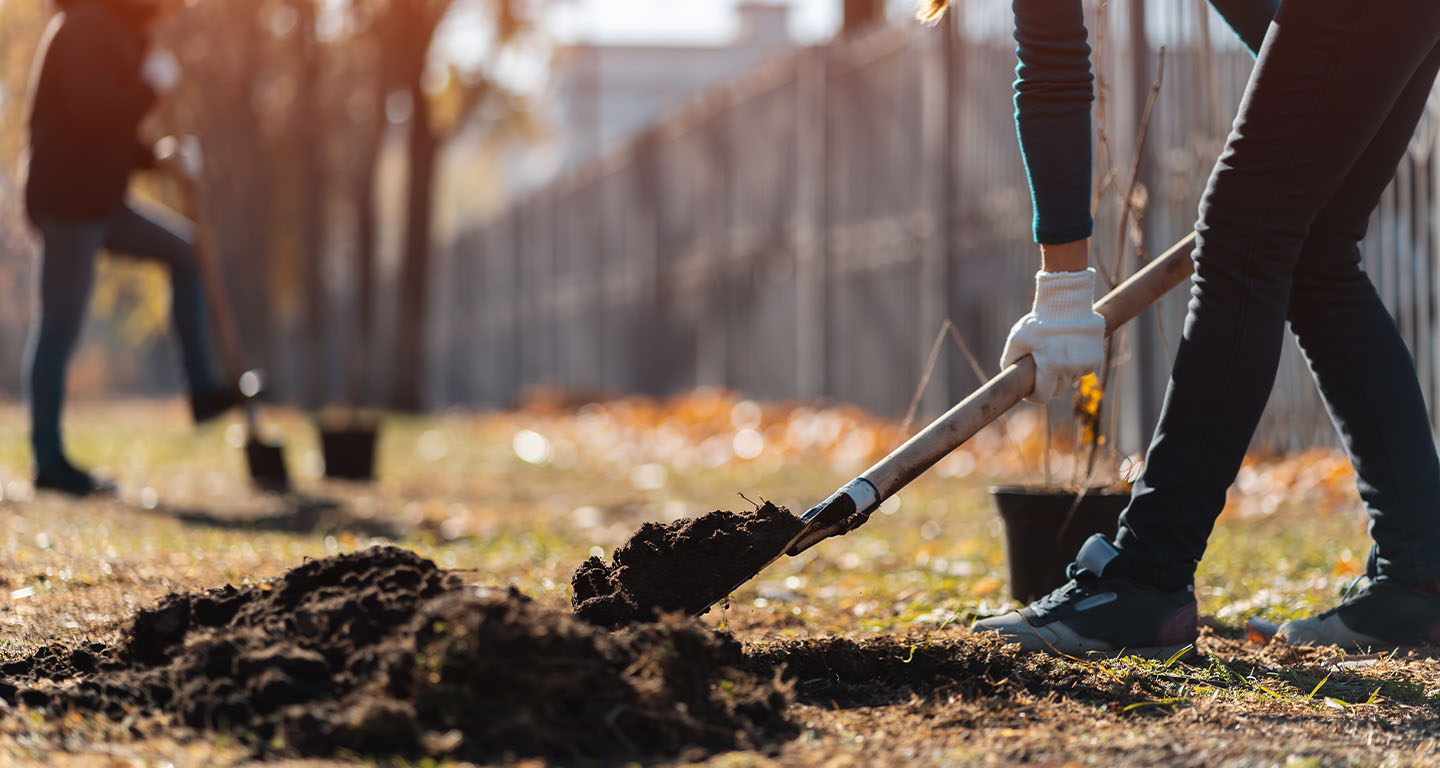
(182, 154)
(1062, 332)
(161, 71)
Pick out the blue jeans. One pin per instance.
(1330, 109)
(67, 273)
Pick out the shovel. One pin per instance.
(265, 458)
(851, 506)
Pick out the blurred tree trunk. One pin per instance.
(413, 310)
(221, 111)
(861, 15)
(411, 25)
(315, 370)
(366, 223)
(406, 30)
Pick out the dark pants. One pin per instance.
(1330, 109)
(67, 272)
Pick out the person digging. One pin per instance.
(1337, 90)
(98, 78)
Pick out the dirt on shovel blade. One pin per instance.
(680, 567)
(381, 653)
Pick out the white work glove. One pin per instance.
(160, 71)
(182, 154)
(1062, 332)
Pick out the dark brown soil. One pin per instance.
(847, 673)
(680, 567)
(382, 653)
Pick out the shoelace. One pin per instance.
(1355, 590)
(1075, 586)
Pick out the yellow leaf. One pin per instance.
(986, 587)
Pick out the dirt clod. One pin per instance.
(380, 652)
(679, 567)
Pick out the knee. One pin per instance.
(63, 300)
(59, 323)
(1325, 283)
(1228, 261)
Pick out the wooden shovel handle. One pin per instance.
(1003, 392)
(221, 313)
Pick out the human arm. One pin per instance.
(1053, 93)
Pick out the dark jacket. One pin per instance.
(88, 101)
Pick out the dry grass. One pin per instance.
(454, 489)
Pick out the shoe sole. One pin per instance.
(1065, 642)
(94, 493)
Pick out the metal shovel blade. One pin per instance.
(267, 465)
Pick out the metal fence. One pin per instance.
(806, 231)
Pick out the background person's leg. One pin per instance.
(67, 271)
(1360, 362)
(160, 235)
(1328, 75)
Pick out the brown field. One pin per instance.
(870, 628)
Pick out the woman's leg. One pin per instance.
(1330, 74)
(67, 270)
(154, 235)
(1361, 364)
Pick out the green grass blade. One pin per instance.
(1170, 662)
(1170, 702)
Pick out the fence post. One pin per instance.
(810, 227)
(1150, 357)
(714, 361)
(650, 317)
(929, 223)
(519, 301)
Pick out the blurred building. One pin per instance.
(606, 92)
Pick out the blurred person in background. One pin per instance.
(97, 76)
(1337, 90)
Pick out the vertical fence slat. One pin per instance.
(805, 230)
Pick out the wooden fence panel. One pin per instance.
(804, 231)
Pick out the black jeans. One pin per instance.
(1332, 104)
(67, 272)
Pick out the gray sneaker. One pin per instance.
(1381, 614)
(1100, 612)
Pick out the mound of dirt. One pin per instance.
(380, 652)
(679, 567)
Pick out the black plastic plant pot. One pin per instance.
(349, 450)
(1036, 548)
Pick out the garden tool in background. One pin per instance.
(265, 458)
(851, 506)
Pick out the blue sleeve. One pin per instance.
(1053, 92)
(1054, 88)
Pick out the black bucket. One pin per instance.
(349, 450)
(1036, 548)
(267, 465)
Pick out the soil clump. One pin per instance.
(679, 567)
(380, 652)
